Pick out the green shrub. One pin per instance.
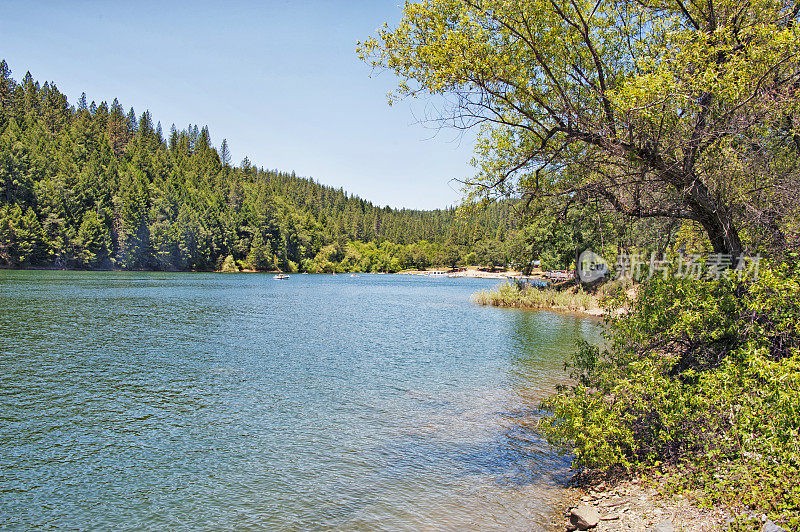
(229, 266)
(513, 296)
(702, 375)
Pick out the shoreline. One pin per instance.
(472, 273)
(508, 275)
(640, 503)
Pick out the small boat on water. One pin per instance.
(281, 277)
(353, 275)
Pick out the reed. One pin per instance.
(511, 296)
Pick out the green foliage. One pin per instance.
(702, 374)
(260, 256)
(229, 265)
(95, 186)
(177, 204)
(651, 109)
(134, 228)
(513, 296)
(555, 236)
(21, 236)
(94, 241)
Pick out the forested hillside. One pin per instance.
(94, 186)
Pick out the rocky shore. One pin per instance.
(641, 505)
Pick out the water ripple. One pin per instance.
(212, 402)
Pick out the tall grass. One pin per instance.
(508, 295)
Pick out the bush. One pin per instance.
(700, 374)
(529, 297)
(229, 266)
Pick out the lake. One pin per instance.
(187, 401)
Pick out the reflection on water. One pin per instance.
(201, 401)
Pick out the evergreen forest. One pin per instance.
(93, 186)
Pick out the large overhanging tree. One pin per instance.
(663, 108)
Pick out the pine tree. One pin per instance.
(134, 230)
(260, 257)
(22, 236)
(7, 86)
(30, 90)
(131, 122)
(224, 153)
(82, 104)
(117, 131)
(94, 240)
(145, 127)
(173, 138)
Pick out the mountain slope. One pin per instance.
(91, 186)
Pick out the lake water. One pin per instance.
(232, 402)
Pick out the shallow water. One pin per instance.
(212, 402)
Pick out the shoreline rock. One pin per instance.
(583, 518)
(639, 505)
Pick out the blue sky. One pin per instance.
(279, 79)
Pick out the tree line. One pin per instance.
(94, 186)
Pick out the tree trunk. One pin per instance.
(722, 233)
(716, 220)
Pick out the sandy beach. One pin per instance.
(472, 272)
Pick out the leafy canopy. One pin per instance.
(658, 107)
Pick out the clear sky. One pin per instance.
(279, 79)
